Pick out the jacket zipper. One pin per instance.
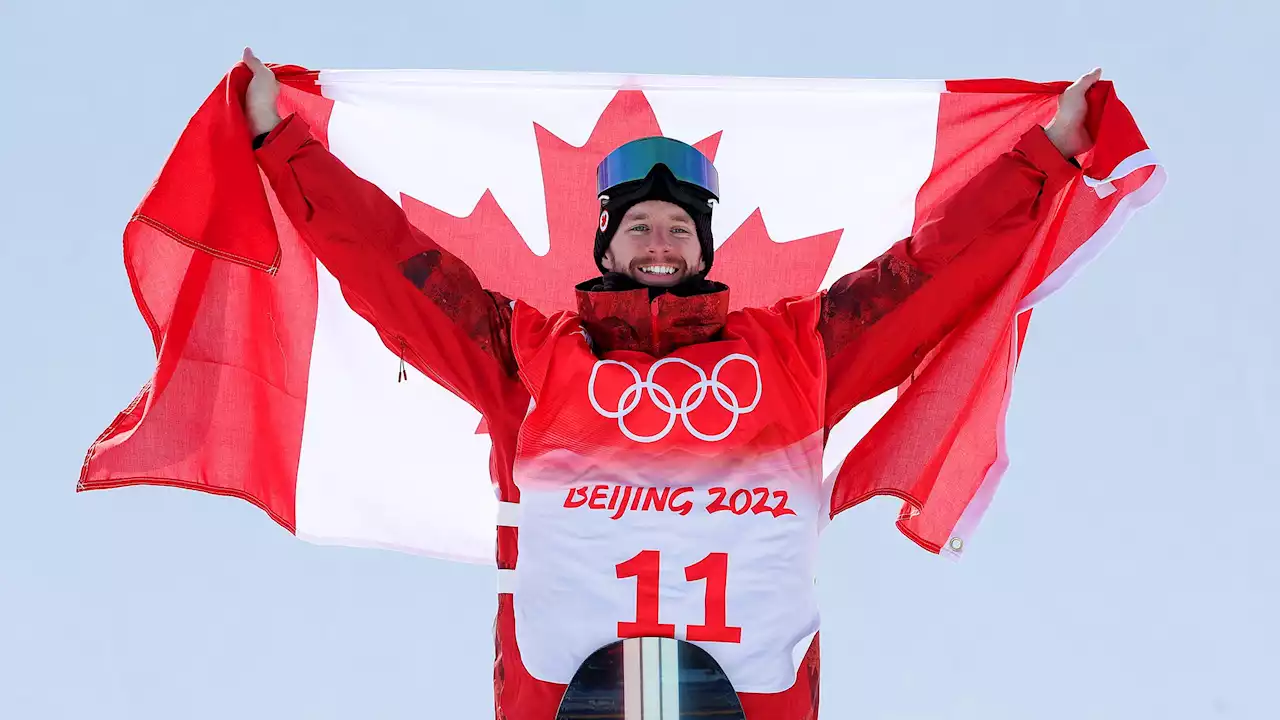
(653, 314)
(404, 373)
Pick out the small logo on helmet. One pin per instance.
(604, 220)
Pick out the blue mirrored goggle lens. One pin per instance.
(636, 159)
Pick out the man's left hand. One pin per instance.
(1067, 130)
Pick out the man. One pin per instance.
(665, 453)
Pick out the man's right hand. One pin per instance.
(260, 99)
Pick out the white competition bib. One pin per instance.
(726, 561)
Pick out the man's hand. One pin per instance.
(260, 98)
(1067, 130)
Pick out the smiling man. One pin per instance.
(656, 243)
(665, 453)
(656, 196)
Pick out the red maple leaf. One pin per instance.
(757, 270)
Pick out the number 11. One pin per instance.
(645, 568)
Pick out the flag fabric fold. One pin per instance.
(268, 387)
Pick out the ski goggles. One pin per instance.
(636, 159)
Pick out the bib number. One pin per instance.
(645, 567)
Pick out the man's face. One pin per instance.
(656, 244)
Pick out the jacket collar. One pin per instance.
(627, 319)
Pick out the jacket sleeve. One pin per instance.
(879, 322)
(425, 303)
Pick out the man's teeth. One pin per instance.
(658, 269)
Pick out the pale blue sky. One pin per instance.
(1125, 569)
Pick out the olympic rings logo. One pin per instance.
(665, 401)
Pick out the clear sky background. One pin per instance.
(1125, 570)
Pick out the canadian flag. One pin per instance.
(270, 388)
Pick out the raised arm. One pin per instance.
(879, 322)
(424, 302)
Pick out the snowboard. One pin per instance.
(650, 679)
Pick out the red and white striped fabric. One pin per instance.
(270, 388)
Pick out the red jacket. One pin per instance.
(875, 325)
